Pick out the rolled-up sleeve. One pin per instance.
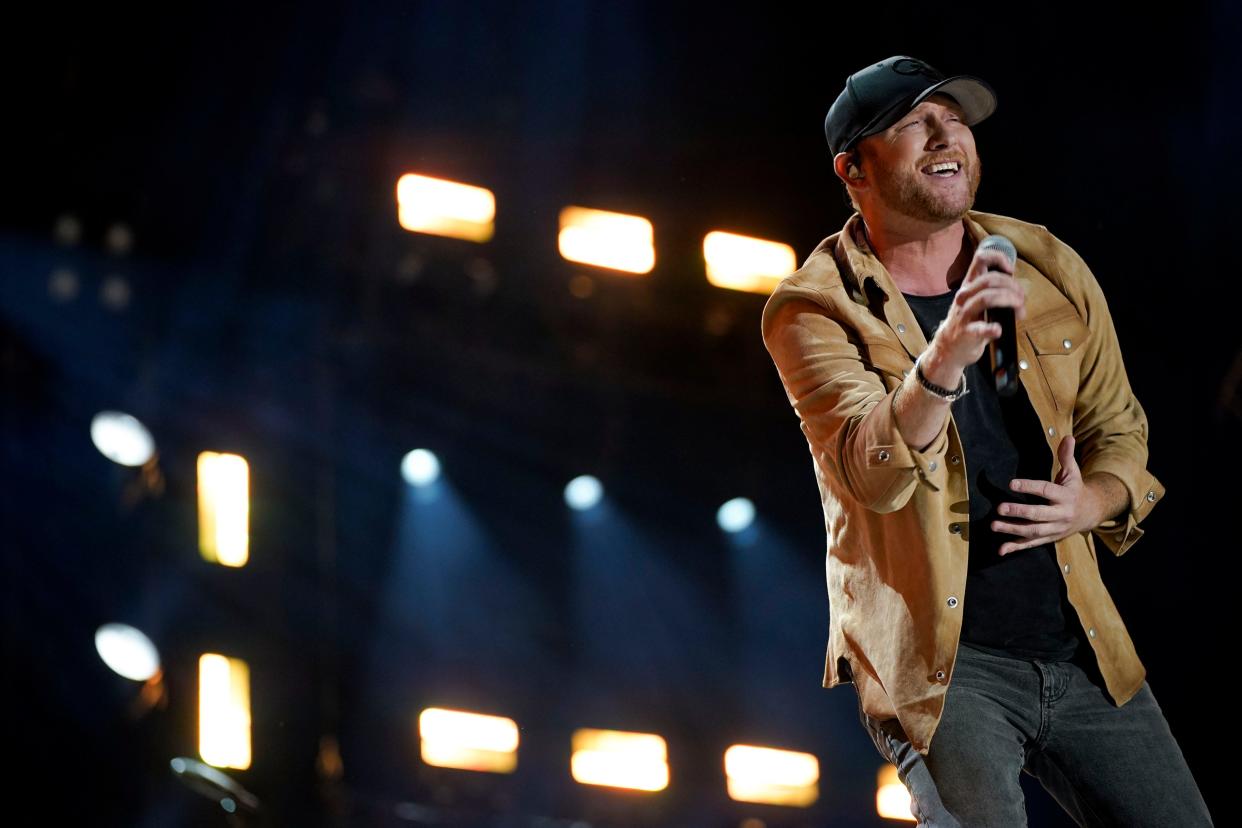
(844, 409)
(1110, 426)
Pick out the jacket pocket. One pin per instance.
(1058, 346)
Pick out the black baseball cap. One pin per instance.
(874, 98)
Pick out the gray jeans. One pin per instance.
(1105, 765)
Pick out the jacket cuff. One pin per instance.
(1120, 533)
(886, 448)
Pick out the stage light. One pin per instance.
(420, 467)
(892, 799)
(736, 514)
(223, 508)
(612, 240)
(469, 741)
(114, 292)
(67, 230)
(583, 492)
(768, 775)
(127, 651)
(63, 284)
(224, 711)
(617, 759)
(744, 263)
(119, 239)
(445, 208)
(121, 438)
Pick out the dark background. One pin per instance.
(277, 309)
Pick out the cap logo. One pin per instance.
(907, 66)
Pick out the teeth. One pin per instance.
(944, 165)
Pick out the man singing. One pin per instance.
(966, 602)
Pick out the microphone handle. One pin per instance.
(1004, 351)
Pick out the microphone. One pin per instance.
(1004, 350)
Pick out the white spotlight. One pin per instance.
(420, 468)
(736, 514)
(583, 492)
(127, 651)
(121, 438)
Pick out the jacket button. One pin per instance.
(940, 675)
(1051, 431)
(1066, 567)
(1091, 632)
(955, 528)
(901, 328)
(932, 466)
(883, 455)
(952, 602)
(1151, 495)
(1066, 343)
(955, 459)
(1023, 364)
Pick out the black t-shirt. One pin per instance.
(1014, 604)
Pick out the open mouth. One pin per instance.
(947, 169)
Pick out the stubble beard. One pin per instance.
(923, 200)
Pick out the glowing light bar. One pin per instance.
(744, 263)
(470, 741)
(892, 800)
(224, 711)
(223, 508)
(775, 777)
(638, 761)
(445, 208)
(613, 240)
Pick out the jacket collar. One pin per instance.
(861, 263)
(854, 256)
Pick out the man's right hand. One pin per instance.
(964, 334)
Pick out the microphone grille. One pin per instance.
(1004, 245)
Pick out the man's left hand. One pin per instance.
(1072, 506)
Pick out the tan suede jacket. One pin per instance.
(842, 337)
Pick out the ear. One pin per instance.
(848, 167)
